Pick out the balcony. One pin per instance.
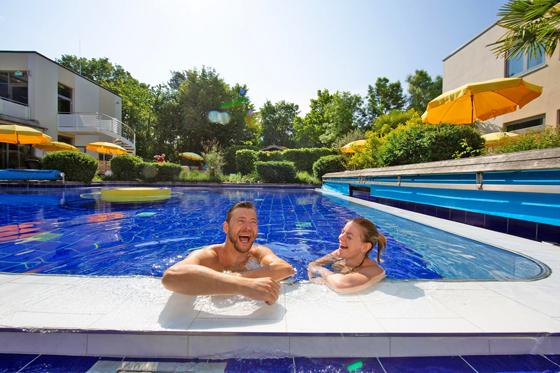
(13, 109)
(98, 123)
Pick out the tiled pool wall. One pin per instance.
(80, 364)
(522, 203)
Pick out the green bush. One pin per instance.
(164, 171)
(271, 156)
(230, 164)
(549, 138)
(329, 163)
(275, 172)
(198, 176)
(245, 160)
(76, 166)
(426, 143)
(125, 167)
(305, 177)
(305, 157)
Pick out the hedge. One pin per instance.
(305, 157)
(245, 160)
(275, 172)
(427, 143)
(230, 163)
(164, 171)
(126, 167)
(270, 156)
(76, 166)
(329, 163)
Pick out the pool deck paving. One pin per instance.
(136, 316)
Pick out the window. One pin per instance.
(13, 86)
(65, 139)
(521, 63)
(64, 99)
(531, 123)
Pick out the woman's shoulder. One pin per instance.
(371, 268)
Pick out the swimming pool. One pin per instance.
(56, 231)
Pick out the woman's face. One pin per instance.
(350, 241)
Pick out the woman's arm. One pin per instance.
(350, 282)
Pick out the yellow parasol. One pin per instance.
(105, 148)
(496, 137)
(191, 156)
(16, 134)
(354, 146)
(483, 100)
(56, 146)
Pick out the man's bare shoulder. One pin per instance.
(206, 256)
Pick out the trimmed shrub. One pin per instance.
(245, 160)
(164, 171)
(275, 172)
(329, 163)
(76, 166)
(427, 143)
(271, 156)
(230, 164)
(125, 167)
(305, 157)
(549, 138)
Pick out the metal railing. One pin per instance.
(14, 109)
(97, 122)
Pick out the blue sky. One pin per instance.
(282, 50)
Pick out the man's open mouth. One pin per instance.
(244, 238)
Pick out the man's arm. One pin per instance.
(191, 277)
(271, 266)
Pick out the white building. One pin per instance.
(475, 61)
(38, 92)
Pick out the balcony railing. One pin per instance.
(96, 122)
(14, 109)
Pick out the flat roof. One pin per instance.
(470, 41)
(64, 67)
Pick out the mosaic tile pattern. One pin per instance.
(79, 364)
(56, 231)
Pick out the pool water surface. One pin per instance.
(57, 231)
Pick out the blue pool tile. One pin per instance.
(443, 212)
(512, 363)
(342, 365)
(457, 215)
(496, 223)
(555, 358)
(474, 218)
(60, 364)
(521, 228)
(430, 364)
(548, 233)
(285, 365)
(12, 363)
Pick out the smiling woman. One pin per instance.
(352, 269)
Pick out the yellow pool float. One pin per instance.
(135, 194)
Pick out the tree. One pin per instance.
(531, 27)
(277, 123)
(309, 129)
(386, 123)
(384, 97)
(422, 89)
(343, 114)
(137, 98)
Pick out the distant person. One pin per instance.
(237, 266)
(351, 268)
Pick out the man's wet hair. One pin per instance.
(240, 205)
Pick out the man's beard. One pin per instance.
(234, 241)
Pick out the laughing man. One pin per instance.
(237, 266)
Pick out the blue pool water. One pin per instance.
(55, 231)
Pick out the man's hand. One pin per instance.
(264, 288)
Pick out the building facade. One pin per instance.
(475, 61)
(36, 91)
